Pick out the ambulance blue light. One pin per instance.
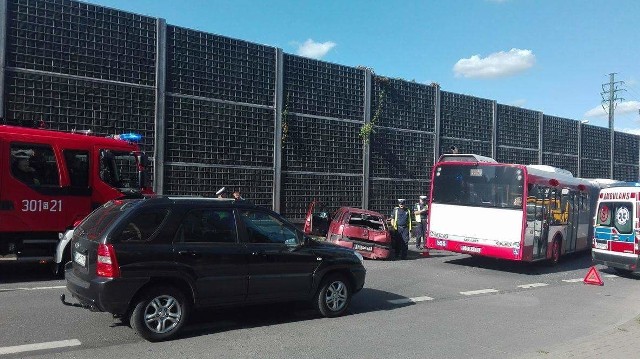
(130, 137)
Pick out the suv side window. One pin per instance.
(264, 228)
(208, 226)
(142, 227)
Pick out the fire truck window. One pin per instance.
(34, 165)
(118, 169)
(78, 167)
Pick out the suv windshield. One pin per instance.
(479, 185)
(99, 220)
(617, 215)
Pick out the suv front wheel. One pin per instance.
(160, 313)
(334, 296)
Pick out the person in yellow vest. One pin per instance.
(401, 222)
(420, 213)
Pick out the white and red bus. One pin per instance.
(509, 211)
(616, 242)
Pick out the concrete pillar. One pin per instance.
(159, 119)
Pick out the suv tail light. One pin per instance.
(107, 264)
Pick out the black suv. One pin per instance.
(150, 261)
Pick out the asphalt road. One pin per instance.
(447, 305)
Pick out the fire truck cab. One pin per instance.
(50, 180)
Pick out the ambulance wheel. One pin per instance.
(623, 272)
(57, 269)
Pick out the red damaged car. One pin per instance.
(359, 229)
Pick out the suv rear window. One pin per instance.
(367, 221)
(143, 226)
(99, 220)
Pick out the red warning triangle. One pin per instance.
(593, 277)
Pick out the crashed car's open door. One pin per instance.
(317, 221)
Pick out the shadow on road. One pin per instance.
(205, 322)
(567, 263)
(14, 272)
(619, 273)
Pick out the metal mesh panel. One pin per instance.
(298, 190)
(517, 127)
(625, 172)
(207, 65)
(254, 184)
(466, 117)
(478, 148)
(626, 148)
(595, 168)
(216, 133)
(383, 194)
(560, 135)
(67, 104)
(596, 142)
(401, 154)
(514, 155)
(404, 104)
(81, 39)
(322, 145)
(568, 163)
(319, 88)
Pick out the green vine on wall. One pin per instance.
(285, 123)
(367, 129)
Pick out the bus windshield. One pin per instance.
(479, 185)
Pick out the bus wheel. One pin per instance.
(555, 251)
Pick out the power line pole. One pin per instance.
(611, 89)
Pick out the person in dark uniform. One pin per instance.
(401, 222)
(420, 213)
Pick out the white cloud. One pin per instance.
(633, 131)
(621, 109)
(497, 64)
(315, 50)
(518, 103)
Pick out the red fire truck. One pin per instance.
(50, 180)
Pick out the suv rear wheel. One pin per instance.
(160, 313)
(334, 296)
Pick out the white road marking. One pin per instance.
(533, 285)
(33, 288)
(576, 280)
(39, 346)
(480, 291)
(409, 300)
(611, 276)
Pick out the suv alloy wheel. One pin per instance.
(160, 313)
(334, 296)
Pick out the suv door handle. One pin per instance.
(259, 254)
(188, 253)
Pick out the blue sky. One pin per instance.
(546, 55)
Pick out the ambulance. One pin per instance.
(616, 241)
